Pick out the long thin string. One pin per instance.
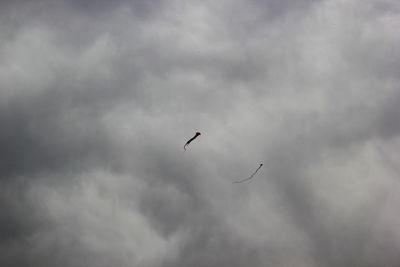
(251, 176)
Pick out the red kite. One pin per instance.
(191, 139)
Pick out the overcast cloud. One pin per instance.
(97, 99)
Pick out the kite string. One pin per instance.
(251, 176)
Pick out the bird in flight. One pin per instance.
(191, 139)
(248, 178)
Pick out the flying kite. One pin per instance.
(251, 176)
(191, 139)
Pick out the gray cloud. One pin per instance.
(97, 99)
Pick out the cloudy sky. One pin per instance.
(97, 99)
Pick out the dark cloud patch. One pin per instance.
(254, 19)
(39, 143)
(55, 129)
(389, 122)
(16, 225)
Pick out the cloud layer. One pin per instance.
(97, 99)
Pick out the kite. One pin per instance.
(251, 176)
(191, 139)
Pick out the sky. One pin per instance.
(97, 99)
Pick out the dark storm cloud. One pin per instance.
(98, 98)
